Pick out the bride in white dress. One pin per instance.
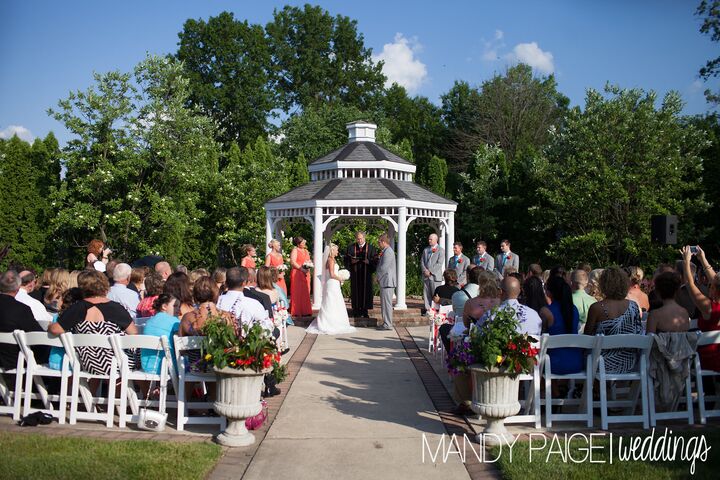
(332, 319)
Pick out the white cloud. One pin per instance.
(22, 133)
(401, 65)
(499, 34)
(696, 86)
(531, 54)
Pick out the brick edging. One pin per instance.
(235, 461)
(444, 405)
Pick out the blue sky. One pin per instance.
(48, 48)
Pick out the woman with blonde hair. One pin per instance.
(274, 259)
(593, 285)
(73, 282)
(634, 292)
(59, 282)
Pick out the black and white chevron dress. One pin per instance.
(98, 360)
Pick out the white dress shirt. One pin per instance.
(246, 310)
(530, 321)
(124, 296)
(38, 309)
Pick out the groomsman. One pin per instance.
(483, 259)
(460, 263)
(432, 264)
(506, 259)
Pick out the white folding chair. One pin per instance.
(120, 344)
(12, 397)
(643, 344)
(81, 378)
(688, 412)
(35, 371)
(707, 338)
(532, 401)
(183, 344)
(585, 406)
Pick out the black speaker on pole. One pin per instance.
(664, 229)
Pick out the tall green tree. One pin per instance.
(228, 64)
(138, 165)
(318, 58)
(23, 204)
(709, 11)
(461, 109)
(615, 164)
(436, 175)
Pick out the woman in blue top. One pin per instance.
(164, 323)
(567, 318)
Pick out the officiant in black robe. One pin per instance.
(360, 260)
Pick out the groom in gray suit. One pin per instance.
(386, 277)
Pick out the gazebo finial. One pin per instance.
(361, 131)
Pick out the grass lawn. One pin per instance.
(29, 456)
(555, 468)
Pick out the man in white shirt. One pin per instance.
(120, 293)
(245, 309)
(28, 280)
(530, 321)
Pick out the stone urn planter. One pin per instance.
(238, 397)
(494, 398)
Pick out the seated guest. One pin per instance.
(245, 309)
(28, 280)
(137, 281)
(16, 316)
(164, 323)
(563, 360)
(535, 298)
(581, 299)
(671, 317)
(206, 295)
(219, 276)
(163, 269)
(470, 290)
(634, 292)
(196, 274)
(58, 284)
(154, 285)
(251, 291)
(684, 296)
(708, 306)
(178, 285)
(529, 320)
(614, 315)
(593, 286)
(265, 284)
(95, 314)
(534, 270)
(443, 293)
(487, 298)
(282, 296)
(41, 289)
(653, 295)
(120, 292)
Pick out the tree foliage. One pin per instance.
(318, 59)
(228, 64)
(710, 13)
(615, 164)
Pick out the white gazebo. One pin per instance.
(361, 180)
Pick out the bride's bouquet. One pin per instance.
(282, 267)
(437, 318)
(344, 275)
(280, 316)
(308, 265)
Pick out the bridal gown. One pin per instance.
(332, 319)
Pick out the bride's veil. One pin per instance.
(326, 255)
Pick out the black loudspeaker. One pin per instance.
(664, 229)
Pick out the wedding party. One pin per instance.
(309, 241)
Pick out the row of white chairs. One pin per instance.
(642, 388)
(29, 384)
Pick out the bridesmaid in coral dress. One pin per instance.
(300, 305)
(275, 259)
(248, 253)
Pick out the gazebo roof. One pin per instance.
(360, 151)
(361, 189)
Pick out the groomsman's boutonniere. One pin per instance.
(459, 260)
(482, 259)
(434, 249)
(509, 256)
(380, 254)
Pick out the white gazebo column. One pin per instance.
(442, 241)
(268, 230)
(450, 236)
(401, 258)
(317, 258)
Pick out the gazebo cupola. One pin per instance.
(361, 157)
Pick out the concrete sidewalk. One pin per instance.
(357, 409)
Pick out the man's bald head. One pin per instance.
(510, 288)
(164, 269)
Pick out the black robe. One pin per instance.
(361, 263)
